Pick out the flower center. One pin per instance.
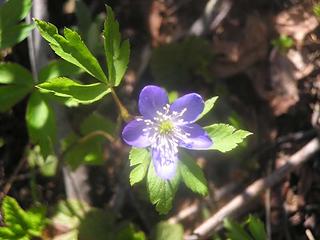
(166, 127)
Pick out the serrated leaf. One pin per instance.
(58, 68)
(117, 52)
(161, 192)
(192, 175)
(168, 231)
(225, 137)
(13, 213)
(41, 123)
(139, 158)
(67, 88)
(208, 105)
(14, 35)
(235, 230)
(71, 48)
(19, 223)
(13, 11)
(256, 228)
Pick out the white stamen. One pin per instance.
(166, 142)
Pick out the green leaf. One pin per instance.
(117, 52)
(97, 122)
(168, 231)
(161, 192)
(96, 224)
(14, 35)
(15, 74)
(80, 93)
(10, 95)
(17, 83)
(88, 152)
(208, 105)
(58, 68)
(225, 137)
(13, 11)
(192, 175)
(69, 214)
(71, 48)
(235, 230)
(256, 228)
(41, 123)
(47, 166)
(83, 16)
(21, 224)
(130, 233)
(139, 158)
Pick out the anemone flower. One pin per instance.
(163, 128)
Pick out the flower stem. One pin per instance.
(124, 113)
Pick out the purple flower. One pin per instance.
(164, 127)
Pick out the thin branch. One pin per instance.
(13, 177)
(236, 205)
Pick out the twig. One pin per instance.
(251, 192)
(13, 177)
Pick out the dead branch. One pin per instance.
(236, 205)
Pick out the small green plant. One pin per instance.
(283, 43)
(251, 229)
(20, 224)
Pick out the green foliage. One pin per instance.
(256, 228)
(139, 159)
(130, 233)
(83, 222)
(192, 175)
(316, 9)
(161, 192)
(96, 224)
(225, 137)
(208, 105)
(41, 123)
(89, 28)
(11, 31)
(168, 231)
(73, 91)
(252, 229)
(58, 68)
(20, 224)
(47, 166)
(117, 52)
(88, 150)
(71, 48)
(17, 83)
(179, 62)
(283, 43)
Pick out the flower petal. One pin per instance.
(192, 102)
(134, 135)
(198, 139)
(151, 100)
(165, 168)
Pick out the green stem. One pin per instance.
(123, 111)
